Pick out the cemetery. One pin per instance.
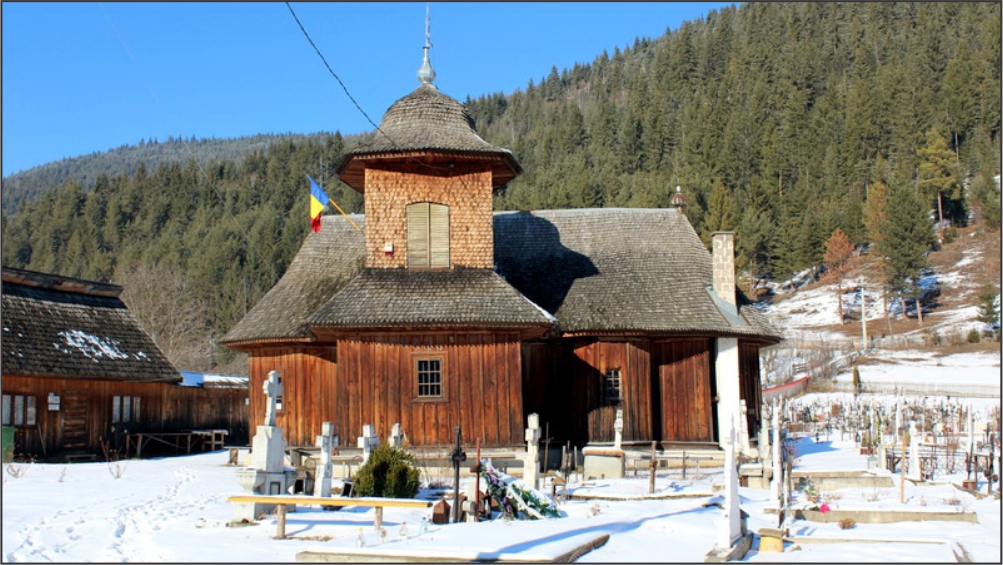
(910, 441)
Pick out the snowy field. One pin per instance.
(175, 510)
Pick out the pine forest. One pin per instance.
(806, 128)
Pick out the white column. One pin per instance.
(728, 386)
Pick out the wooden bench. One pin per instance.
(281, 500)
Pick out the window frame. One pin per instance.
(612, 381)
(19, 410)
(125, 409)
(416, 359)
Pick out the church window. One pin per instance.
(427, 236)
(429, 376)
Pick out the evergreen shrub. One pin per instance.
(974, 336)
(390, 472)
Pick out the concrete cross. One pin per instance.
(531, 465)
(396, 438)
(729, 524)
(777, 479)
(368, 441)
(915, 472)
(325, 441)
(273, 390)
(618, 429)
(743, 429)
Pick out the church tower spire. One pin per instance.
(426, 75)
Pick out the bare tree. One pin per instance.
(162, 301)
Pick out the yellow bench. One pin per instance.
(281, 500)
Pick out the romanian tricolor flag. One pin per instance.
(318, 200)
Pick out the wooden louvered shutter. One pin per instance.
(417, 235)
(438, 236)
(427, 235)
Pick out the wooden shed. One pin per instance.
(79, 372)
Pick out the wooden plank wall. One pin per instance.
(163, 407)
(482, 386)
(564, 383)
(311, 392)
(369, 379)
(684, 380)
(752, 390)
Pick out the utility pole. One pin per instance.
(863, 319)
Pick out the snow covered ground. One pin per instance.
(175, 510)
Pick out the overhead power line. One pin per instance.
(329, 69)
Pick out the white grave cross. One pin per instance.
(325, 441)
(273, 390)
(531, 466)
(368, 441)
(396, 438)
(618, 429)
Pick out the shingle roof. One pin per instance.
(409, 297)
(597, 270)
(325, 263)
(61, 327)
(609, 270)
(426, 120)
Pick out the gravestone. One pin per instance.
(729, 525)
(267, 473)
(325, 441)
(775, 481)
(368, 441)
(531, 463)
(396, 438)
(915, 473)
(618, 429)
(743, 430)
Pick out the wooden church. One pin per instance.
(441, 313)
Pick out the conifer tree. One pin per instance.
(719, 215)
(907, 236)
(937, 181)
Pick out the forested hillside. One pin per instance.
(25, 186)
(786, 122)
(791, 111)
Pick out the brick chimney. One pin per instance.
(723, 243)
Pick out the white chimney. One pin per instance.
(723, 243)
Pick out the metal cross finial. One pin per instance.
(426, 75)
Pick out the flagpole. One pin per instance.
(331, 200)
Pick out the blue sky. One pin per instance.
(85, 77)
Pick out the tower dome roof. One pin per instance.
(427, 122)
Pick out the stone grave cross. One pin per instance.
(396, 438)
(531, 465)
(368, 441)
(326, 443)
(915, 473)
(618, 429)
(777, 479)
(729, 524)
(273, 390)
